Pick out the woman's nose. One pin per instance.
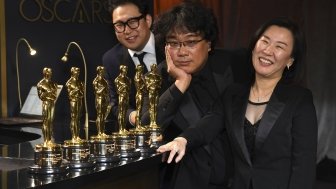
(268, 49)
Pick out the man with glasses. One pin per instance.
(194, 75)
(132, 23)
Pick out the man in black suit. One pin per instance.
(271, 121)
(132, 23)
(193, 76)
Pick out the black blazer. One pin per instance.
(286, 140)
(112, 59)
(201, 167)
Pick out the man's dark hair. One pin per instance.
(186, 17)
(141, 4)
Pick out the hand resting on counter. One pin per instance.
(176, 147)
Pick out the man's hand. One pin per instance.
(132, 118)
(177, 146)
(182, 78)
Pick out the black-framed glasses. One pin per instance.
(188, 44)
(132, 23)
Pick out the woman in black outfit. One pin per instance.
(272, 122)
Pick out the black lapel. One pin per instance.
(189, 110)
(272, 112)
(238, 106)
(128, 61)
(160, 55)
(223, 80)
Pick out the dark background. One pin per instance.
(237, 19)
(88, 23)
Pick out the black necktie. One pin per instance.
(140, 57)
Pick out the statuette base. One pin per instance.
(77, 154)
(48, 160)
(103, 149)
(125, 145)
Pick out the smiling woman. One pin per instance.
(273, 52)
(271, 122)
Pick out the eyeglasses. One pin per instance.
(188, 44)
(132, 23)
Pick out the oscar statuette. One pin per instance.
(76, 150)
(65, 59)
(125, 140)
(48, 156)
(141, 133)
(103, 145)
(153, 84)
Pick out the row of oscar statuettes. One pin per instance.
(102, 148)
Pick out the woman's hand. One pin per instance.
(177, 146)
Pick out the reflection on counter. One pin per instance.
(10, 164)
(19, 142)
(142, 172)
(17, 146)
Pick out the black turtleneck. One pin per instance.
(203, 89)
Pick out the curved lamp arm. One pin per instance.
(32, 52)
(64, 59)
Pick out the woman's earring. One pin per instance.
(288, 66)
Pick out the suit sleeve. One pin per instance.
(168, 105)
(111, 73)
(207, 128)
(169, 101)
(304, 146)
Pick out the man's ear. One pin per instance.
(149, 20)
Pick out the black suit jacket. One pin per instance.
(286, 140)
(201, 167)
(112, 59)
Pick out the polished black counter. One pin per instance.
(138, 173)
(17, 154)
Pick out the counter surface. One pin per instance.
(142, 173)
(15, 159)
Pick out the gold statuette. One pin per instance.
(75, 89)
(47, 92)
(123, 84)
(101, 91)
(153, 84)
(140, 90)
(48, 156)
(76, 150)
(103, 145)
(141, 133)
(125, 140)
